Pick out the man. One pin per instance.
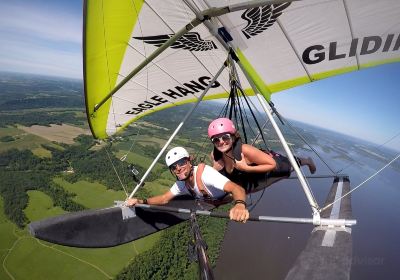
(208, 184)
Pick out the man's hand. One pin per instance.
(239, 213)
(131, 202)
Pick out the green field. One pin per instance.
(6, 230)
(95, 195)
(91, 195)
(42, 260)
(158, 186)
(8, 236)
(41, 152)
(22, 140)
(137, 159)
(41, 206)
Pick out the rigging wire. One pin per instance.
(305, 177)
(205, 141)
(260, 129)
(305, 141)
(362, 183)
(116, 172)
(245, 99)
(259, 133)
(237, 101)
(123, 158)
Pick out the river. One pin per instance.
(260, 250)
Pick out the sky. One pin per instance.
(44, 37)
(41, 37)
(364, 104)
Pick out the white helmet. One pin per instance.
(175, 154)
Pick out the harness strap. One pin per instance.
(199, 182)
(206, 195)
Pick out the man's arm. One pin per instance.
(238, 212)
(158, 200)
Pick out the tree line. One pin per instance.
(169, 257)
(21, 171)
(40, 118)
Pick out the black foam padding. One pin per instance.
(106, 227)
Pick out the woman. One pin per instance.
(244, 164)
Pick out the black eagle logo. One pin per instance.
(191, 41)
(260, 18)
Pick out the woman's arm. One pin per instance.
(251, 155)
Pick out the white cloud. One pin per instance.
(34, 39)
(21, 56)
(34, 21)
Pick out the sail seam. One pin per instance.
(294, 49)
(351, 30)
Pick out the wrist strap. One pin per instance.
(239, 201)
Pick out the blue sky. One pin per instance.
(364, 104)
(44, 37)
(41, 37)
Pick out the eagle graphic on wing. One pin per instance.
(260, 18)
(191, 41)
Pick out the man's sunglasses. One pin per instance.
(225, 138)
(180, 162)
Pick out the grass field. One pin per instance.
(46, 262)
(12, 131)
(158, 186)
(91, 195)
(41, 206)
(60, 133)
(23, 140)
(137, 159)
(41, 152)
(8, 237)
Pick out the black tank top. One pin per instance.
(251, 181)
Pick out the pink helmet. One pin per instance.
(221, 125)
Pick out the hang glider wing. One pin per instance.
(108, 227)
(280, 45)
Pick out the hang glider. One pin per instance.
(144, 56)
(141, 57)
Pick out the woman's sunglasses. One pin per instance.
(180, 162)
(225, 138)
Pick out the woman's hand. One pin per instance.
(241, 164)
